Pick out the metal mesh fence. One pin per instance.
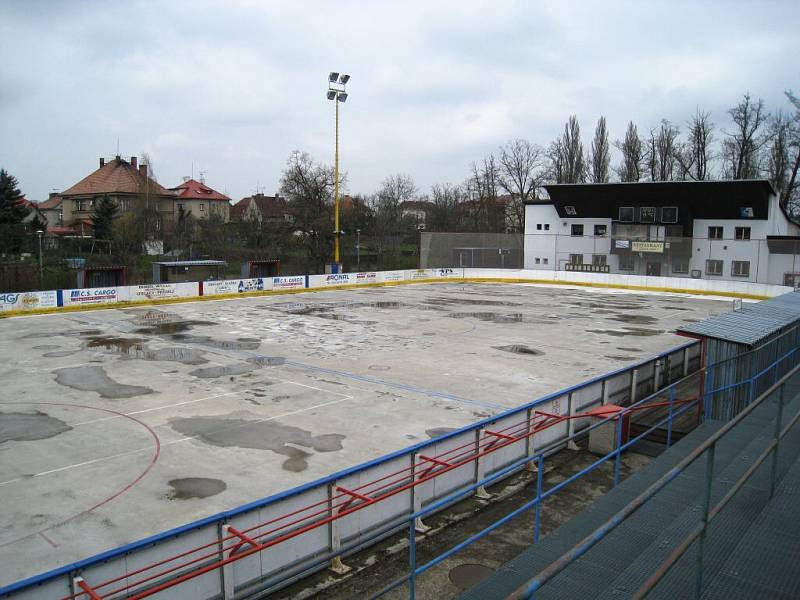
(471, 250)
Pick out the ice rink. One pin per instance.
(118, 424)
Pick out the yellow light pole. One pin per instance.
(337, 93)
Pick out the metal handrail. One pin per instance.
(709, 445)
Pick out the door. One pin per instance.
(654, 269)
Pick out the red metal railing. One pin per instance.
(240, 544)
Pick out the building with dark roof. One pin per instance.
(261, 208)
(703, 229)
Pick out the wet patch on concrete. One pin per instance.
(620, 357)
(629, 349)
(157, 322)
(379, 368)
(468, 575)
(259, 435)
(60, 353)
(251, 340)
(635, 319)
(47, 347)
(267, 361)
(205, 340)
(27, 427)
(438, 431)
(223, 370)
(95, 379)
(134, 348)
(627, 331)
(488, 316)
(519, 349)
(469, 302)
(195, 487)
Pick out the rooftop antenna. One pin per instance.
(117, 146)
(202, 177)
(192, 169)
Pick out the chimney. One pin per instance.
(143, 169)
(133, 161)
(102, 161)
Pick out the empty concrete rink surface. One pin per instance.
(118, 424)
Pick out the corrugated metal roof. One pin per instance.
(754, 323)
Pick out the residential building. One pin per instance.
(261, 208)
(201, 201)
(703, 229)
(416, 210)
(51, 211)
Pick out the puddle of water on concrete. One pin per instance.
(205, 340)
(468, 575)
(195, 487)
(488, 317)
(134, 348)
(95, 379)
(627, 331)
(267, 361)
(469, 301)
(27, 427)
(379, 368)
(251, 340)
(635, 319)
(46, 347)
(629, 349)
(224, 370)
(519, 349)
(259, 435)
(438, 431)
(619, 357)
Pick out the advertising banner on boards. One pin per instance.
(28, 300)
(293, 282)
(92, 296)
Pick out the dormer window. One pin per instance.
(626, 214)
(647, 214)
(570, 210)
(669, 214)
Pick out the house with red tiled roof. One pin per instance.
(199, 199)
(261, 208)
(125, 182)
(51, 211)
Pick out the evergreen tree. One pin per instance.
(105, 211)
(12, 213)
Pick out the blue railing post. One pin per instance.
(618, 457)
(539, 478)
(750, 389)
(704, 518)
(412, 560)
(669, 423)
(773, 475)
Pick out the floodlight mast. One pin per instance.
(337, 93)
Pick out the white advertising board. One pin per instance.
(236, 286)
(421, 274)
(449, 273)
(156, 291)
(107, 295)
(388, 276)
(28, 300)
(368, 277)
(333, 279)
(293, 282)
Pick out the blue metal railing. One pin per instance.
(702, 400)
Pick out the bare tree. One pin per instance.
(695, 154)
(662, 151)
(744, 144)
(387, 206)
(633, 155)
(308, 188)
(568, 163)
(784, 156)
(446, 213)
(521, 172)
(600, 157)
(487, 214)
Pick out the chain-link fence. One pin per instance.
(471, 250)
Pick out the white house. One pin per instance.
(702, 229)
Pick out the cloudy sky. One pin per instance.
(234, 87)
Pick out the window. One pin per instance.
(742, 233)
(202, 207)
(669, 214)
(647, 214)
(123, 204)
(746, 212)
(626, 262)
(626, 214)
(570, 210)
(740, 268)
(544, 261)
(680, 267)
(577, 230)
(180, 206)
(715, 233)
(713, 267)
(538, 261)
(600, 230)
(599, 260)
(674, 231)
(547, 226)
(576, 259)
(61, 217)
(538, 227)
(791, 279)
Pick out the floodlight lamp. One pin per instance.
(333, 76)
(342, 96)
(344, 79)
(331, 94)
